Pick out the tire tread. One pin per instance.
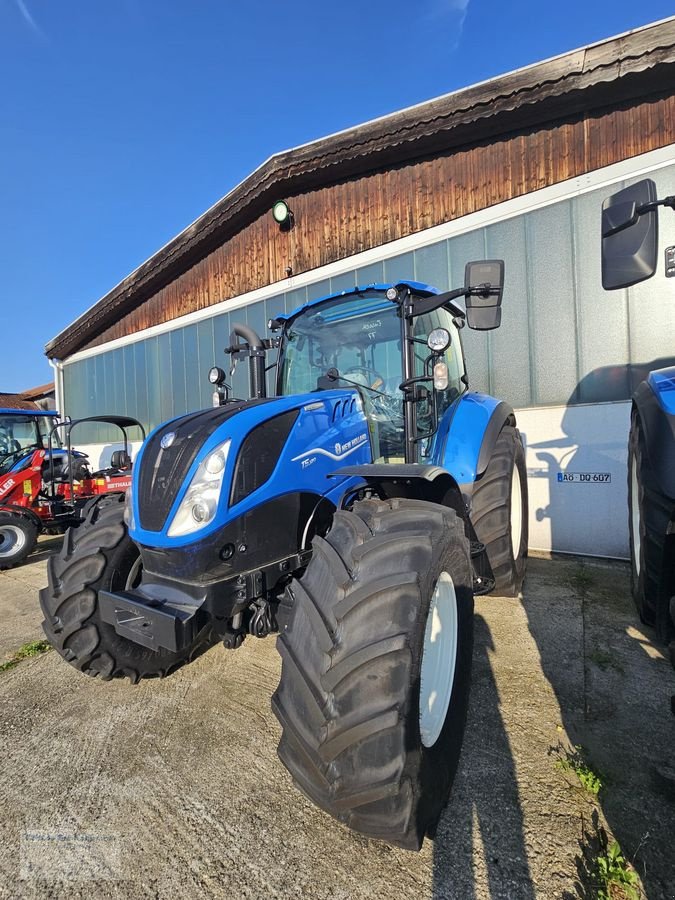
(352, 762)
(69, 603)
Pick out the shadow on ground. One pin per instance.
(47, 547)
(567, 665)
(485, 809)
(613, 690)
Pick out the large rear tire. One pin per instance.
(376, 643)
(649, 512)
(100, 555)
(499, 512)
(18, 536)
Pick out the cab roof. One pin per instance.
(417, 286)
(28, 412)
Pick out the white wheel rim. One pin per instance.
(12, 540)
(516, 513)
(635, 516)
(439, 659)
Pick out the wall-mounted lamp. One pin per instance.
(283, 215)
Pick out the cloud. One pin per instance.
(28, 18)
(453, 10)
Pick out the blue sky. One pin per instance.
(121, 122)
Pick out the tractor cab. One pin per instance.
(21, 433)
(355, 340)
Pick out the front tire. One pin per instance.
(372, 713)
(499, 512)
(100, 555)
(18, 536)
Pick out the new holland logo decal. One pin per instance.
(341, 450)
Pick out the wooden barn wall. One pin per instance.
(345, 218)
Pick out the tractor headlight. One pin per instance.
(198, 506)
(129, 520)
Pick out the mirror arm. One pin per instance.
(654, 204)
(638, 211)
(424, 305)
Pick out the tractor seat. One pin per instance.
(120, 463)
(120, 459)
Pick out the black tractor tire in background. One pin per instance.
(352, 640)
(493, 505)
(649, 512)
(100, 555)
(18, 536)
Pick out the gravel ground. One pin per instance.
(173, 788)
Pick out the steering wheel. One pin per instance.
(19, 450)
(375, 380)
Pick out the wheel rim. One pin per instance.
(635, 515)
(516, 513)
(12, 540)
(439, 658)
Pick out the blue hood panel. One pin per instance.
(331, 430)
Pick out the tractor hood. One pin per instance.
(247, 454)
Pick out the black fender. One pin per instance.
(434, 484)
(412, 480)
(658, 428)
(502, 415)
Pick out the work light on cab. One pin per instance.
(438, 340)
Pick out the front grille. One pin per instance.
(162, 472)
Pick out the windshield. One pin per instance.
(19, 434)
(360, 337)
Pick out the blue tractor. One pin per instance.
(629, 256)
(356, 513)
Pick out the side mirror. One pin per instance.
(629, 237)
(483, 282)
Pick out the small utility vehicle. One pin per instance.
(44, 482)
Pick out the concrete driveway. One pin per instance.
(173, 788)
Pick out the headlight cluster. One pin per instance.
(200, 502)
(129, 520)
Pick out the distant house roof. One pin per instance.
(16, 401)
(610, 71)
(37, 393)
(26, 399)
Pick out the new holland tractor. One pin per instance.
(356, 513)
(629, 256)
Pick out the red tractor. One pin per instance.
(44, 482)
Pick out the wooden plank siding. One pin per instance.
(341, 219)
